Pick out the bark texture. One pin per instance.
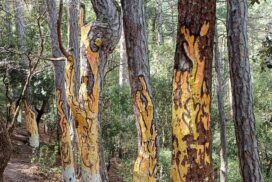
(73, 40)
(62, 106)
(145, 167)
(5, 149)
(97, 41)
(220, 98)
(243, 113)
(191, 99)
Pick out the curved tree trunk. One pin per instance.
(62, 107)
(244, 119)
(145, 167)
(191, 102)
(5, 149)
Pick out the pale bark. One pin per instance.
(123, 69)
(220, 100)
(243, 112)
(62, 109)
(146, 164)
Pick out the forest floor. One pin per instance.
(20, 168)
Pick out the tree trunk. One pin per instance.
(62, 109)
(145, 167)
(73, 40)
(191, 102)
(159, 22)
(123, 70)
(5, 149)
(30, 115)
(97, 41)
(220, 97)
(244, 119)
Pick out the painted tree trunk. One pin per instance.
(243, 112)
(30, 115)
(220, 98)
(31, 124)
(146, 164)
(62, 109)
(97, 41)
(191, 99)
(5, 149)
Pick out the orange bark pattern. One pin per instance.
(145, 167)
(86, 120)
(191, 115)
(31, 124)
(65, 142)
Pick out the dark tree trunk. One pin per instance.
(220, 98)
(62, 107)
(244, 119)
(73, 6)
(191, 102)
(5, 149)
(145, 168)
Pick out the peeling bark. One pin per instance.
(97, 41)
(243, 112)
(191, 99)
(67, 157)
(146, 164)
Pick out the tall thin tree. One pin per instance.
(62, 106)
(243, 112)
(145, 167)
(220, 100)
(191, 99)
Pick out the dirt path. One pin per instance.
(20, 168)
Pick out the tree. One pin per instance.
(62, 106)
(123, 73)
(145, 167)
(5, 149)
(243, 112)
(191, 99)
(30, 113)
(220, 97)
(97, 41)
(159, 22)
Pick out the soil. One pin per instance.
(20, 168)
